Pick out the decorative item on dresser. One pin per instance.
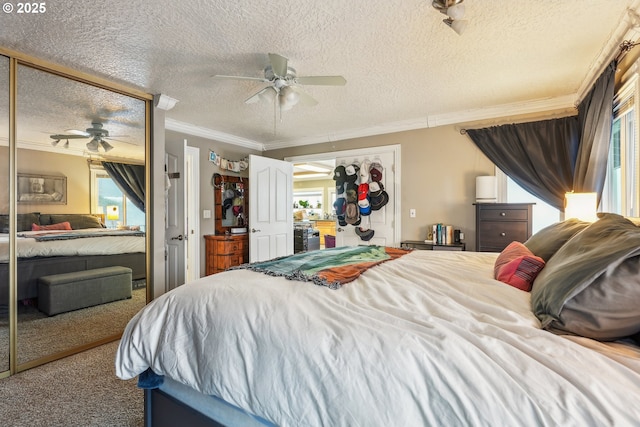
(225, 251)
(498, 224)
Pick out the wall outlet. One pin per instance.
(206, 213)
(412, 213)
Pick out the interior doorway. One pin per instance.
(392, 235)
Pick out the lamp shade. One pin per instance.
(113, 213)
(582, 206)
(456, 11)
(486, 189)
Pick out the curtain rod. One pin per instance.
(625, 47)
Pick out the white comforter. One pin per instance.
(429, 339)
(28, 247)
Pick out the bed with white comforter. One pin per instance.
(64, 251)
(429, 339)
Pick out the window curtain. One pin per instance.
(130, 179)
(549, 158)
(539, 156)
(595, 114)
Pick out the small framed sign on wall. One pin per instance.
(42, 189)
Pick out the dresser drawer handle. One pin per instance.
(503, 214)
(503, 234)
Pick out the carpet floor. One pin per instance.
(79, 390)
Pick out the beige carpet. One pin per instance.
(40, 335)
(80, 390)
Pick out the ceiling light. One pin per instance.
(105, 145)
(313, 168)
(309, 175)
(288, 98)
(93, 145)
(454, 9)
(457, 26)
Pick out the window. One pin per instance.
(620, 193)
(105, 193)
(543, 213)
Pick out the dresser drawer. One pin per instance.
(229, 247)
(496, 235)
(501, 214)
(223, 262)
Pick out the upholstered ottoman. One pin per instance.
(60, 293)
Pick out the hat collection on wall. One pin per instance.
(359, 191)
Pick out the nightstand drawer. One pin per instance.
(497, 235)
(490, 214)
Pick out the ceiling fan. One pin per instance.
(96, 132)
(284, 84)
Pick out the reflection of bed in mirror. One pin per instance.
(66, 243)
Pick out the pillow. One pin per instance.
(77, 221)
(547, 241)
(517, 266)
(23, 222)
(591, 286)
(59, 226)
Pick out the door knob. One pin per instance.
(253, 230)
(180, 237)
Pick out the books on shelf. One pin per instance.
(443, 234)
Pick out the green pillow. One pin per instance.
(77, 221)
(547, 241)
(591, 286)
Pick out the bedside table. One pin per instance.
(498, 224)
(422, 245)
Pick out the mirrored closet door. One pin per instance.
(4, 215)
(80, 163)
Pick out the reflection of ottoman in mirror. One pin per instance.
(59, 293)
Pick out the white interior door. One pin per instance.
(192, 218)
(381, 221)
(270, 208)
(175, 214)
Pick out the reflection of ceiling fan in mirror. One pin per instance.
(284, 85)
(98, 134)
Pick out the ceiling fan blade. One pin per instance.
(321, 80)
(259, 79)
(278, 64)
(80, 133)
(260, 95)
(70, 136)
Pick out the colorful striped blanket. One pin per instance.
(332, 267)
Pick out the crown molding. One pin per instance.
(478, 114)
(189, 129)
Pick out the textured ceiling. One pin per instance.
(404, 68)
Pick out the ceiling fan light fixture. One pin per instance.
(458, 26)
(93, 145)
(55, 142)
(288, 98)
(66, 144)
(456, 12)
(106, 146)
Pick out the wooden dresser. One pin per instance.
(224, 251)
(498, 224)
